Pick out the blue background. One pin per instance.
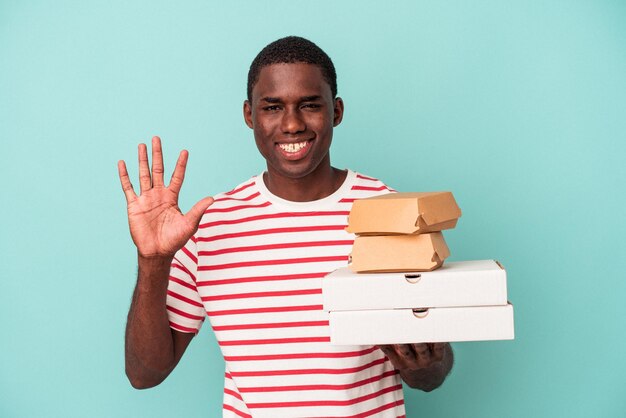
(519, 108)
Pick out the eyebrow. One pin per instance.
(310, 98)
(302, 99)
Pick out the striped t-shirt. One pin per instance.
(255, 268)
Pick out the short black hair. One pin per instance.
(289, 50)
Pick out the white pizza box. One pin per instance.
(404, 326)
(460, 283)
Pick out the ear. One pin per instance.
(338, 111)
(247, 113)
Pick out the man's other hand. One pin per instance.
(423, 366)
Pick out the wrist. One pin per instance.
(154, 261)
(153, 274)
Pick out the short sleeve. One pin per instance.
(184, 306)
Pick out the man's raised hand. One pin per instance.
(157, 226)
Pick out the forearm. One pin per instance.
(430, 378)
(149, 350)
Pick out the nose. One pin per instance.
(292, 122)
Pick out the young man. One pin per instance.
(252, 261)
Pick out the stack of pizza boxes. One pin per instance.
(397, 288)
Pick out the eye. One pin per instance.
(311, 106)
(272, 108)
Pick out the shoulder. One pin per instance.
(242, 200)
(370, 184)
(242, 191)
(362, 186)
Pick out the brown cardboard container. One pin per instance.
(403, 213)
(389, 253)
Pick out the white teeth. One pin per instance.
(293, 147)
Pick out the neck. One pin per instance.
(315, 186)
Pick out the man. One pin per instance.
(252, 261)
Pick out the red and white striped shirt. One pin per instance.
(255, 268)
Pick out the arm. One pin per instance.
(152, 348)
(158, 229)
(422, 366)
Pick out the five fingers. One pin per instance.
(148, 180)
(414, 356)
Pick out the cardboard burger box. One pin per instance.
(403, 213)
(461, 301)
(401, 231)
(389, 253)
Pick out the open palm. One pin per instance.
(157, 225)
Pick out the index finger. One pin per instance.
(127, 186)
(400, 355)
(421, 350)
(438, 350)
(179, 172)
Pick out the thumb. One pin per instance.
(195, 213)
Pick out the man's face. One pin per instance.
(293, 114)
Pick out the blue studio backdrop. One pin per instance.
(519, 108)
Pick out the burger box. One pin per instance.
(456, 283)
(388, 253)
(403, 213)
(461, 301)
(403, 326)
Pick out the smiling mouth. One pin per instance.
(294, 147)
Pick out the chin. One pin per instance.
(294, 172)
